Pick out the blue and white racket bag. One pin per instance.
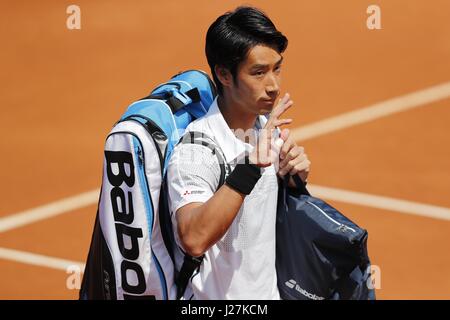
(131, 254)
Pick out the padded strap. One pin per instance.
(194, 94)
(165, 222)
(149, 125)
(301, 186)
(174, 103)
(190, 264)
(195, 137)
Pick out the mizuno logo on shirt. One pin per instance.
(193, 192)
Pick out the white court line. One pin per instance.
(39, 260)
(380, 202)
(346, 196)
(352, 197)
(49, 210)
(332, 124)
(373, 112)
(346, 120)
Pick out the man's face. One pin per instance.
(258, 80)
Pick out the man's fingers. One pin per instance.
(287, 144)
(264, 151)
(292, 159)
(287, 155)
(284, 99)
(302, 166)
(284, 104)
(281, 122)
(284, 134)
(282, 108)
(264, 145)
(289, 147)
(287, 167)
(295, 165)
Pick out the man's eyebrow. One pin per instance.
(261, 66)
(279, 61)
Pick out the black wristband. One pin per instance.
(244, 177)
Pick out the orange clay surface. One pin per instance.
(62, 90)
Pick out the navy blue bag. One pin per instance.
(320, 253)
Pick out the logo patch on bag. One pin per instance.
(292, 284)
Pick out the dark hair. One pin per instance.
(234, 33)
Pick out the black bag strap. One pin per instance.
(174, 103)
(165, 222)
(191, 264)
(196, 137)
(148, 123)
(300, 185)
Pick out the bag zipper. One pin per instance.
(342, 227)
(148, 204)
(153, 130)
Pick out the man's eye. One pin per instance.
(278, 69)
(259, 73)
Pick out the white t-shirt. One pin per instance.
(241, 265)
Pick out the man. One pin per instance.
(233, 225)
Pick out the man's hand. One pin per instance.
(264, 154)
(293, 159)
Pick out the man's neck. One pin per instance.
(234, 116)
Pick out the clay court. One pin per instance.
(371, 108)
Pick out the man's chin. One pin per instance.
(264, 108)
(267, 106)
(265, 111)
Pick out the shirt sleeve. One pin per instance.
(193, 175)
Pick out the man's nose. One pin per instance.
(272, 85)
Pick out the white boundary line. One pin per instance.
(49, 210)
(373, 112)
(380, 202)
(39, 260)
(346, 196)
(340, 195)
(382, 109)
(332, 124)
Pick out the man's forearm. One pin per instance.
(206, 224)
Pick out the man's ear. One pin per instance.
(224, 75)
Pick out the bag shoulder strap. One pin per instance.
(200, 138)
(170, 97)
(301, 186)
(191, 264)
